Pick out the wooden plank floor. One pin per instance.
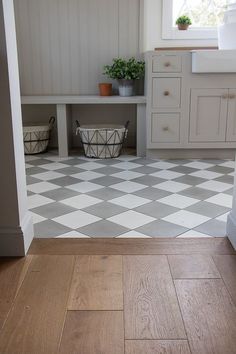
(177, 298)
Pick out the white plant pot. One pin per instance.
(126, 88)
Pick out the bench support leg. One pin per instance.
(63, 122)
(141, 130)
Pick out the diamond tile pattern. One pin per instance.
(128, 197)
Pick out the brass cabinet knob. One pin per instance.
(225, 96)
(166, 93)
(232, 96)
(167, 64)
(165, 129)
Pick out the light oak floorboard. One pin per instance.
(35, 322)
(12, 273)
(150, 303)
(209, 316)
(192, 266)
(156, 347)
(227, 268)
(97, 283)
(131, 246)
(93, 332)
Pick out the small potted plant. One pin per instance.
(183, 22)
(125, 72)
(105, 89)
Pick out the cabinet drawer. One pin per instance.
(165, 127)
(166, 92)
(167, 64)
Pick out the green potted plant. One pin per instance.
(125, 72)
(183, 22)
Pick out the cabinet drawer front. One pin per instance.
(166, 92)
(165, 127)
(167, 64)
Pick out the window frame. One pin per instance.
(170, 32)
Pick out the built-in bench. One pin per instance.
(63, 104)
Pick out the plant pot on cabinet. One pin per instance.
(126, 87)
(183, 27)
(105, 89)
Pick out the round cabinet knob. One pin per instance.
(167, 64)
(225, 96)
(232, 96)
(165, 129)
(166, 93)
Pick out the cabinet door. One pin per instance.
(208, 115)
(231, 124)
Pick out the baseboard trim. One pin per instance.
(191, 153)
(231, 230)
(15, 241)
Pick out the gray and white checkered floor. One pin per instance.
(128, 197)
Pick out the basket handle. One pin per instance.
(127, 124)
(52, 121)
(77, 126)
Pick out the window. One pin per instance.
(206, 15)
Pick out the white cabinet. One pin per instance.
(231, 125)
(208, 115)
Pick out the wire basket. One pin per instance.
(36, 137)
(102, 141)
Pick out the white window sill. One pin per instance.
(191, 33)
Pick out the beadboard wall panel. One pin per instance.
(63, 45)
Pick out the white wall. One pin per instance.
(153, 29)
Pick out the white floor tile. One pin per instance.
(166, 174)
(127, 158)
(38, 200)
(130, 201)
(162, 165)
(84, 187)
(221, 199)
(53, 166)
(230, 164)
(58, 158)
(27, 165)
(178, 201)
(131, 219)
(133, 234)
(47, 176)
(81, 201)
(76, 219)
(223, 217)
(206, 174)
(186, 219)
(172, 186)
(73, 234)
(126, 165)
(29, 158)
(128, 187)
(199, 165)
(37, 218)
(87, 175)
(127, 175)
(215, 186)
(194, 234)
(42, 187)
(89, 166)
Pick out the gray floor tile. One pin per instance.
(146, 170)
(183, 169)
(105, 210)
(230, 191)
(49, 228)
(156, 210)
(73, 162)
(65, 181)
(225, 179)
(38, 162)
(108, 162)
(102, 229)
(34, 170)
(152, 193)
(32, 180)
(161, 228)
(208, 209)
(213, 228)
(179, 161)
(191, 180)
(107, 170)
(70, 170)
(213, 161)
(198, 193)
(29, 193)
(107, 181)
(221, 169)
(148, 180)
(144, 161)
(53, 210)
(60, 194)
(106, 193)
